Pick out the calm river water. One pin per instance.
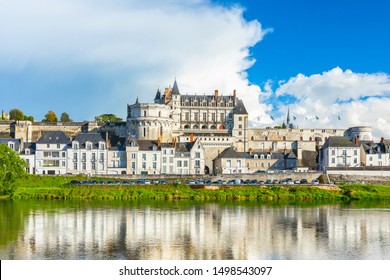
(192, 231)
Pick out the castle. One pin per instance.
(216, 121)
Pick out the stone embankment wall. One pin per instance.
(359, 179)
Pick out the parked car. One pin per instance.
(315, 182)
(116, 182)
(290, 182)
(247, 182)
(297, 182)
(163, 182)
(109, 182)
(231, 182)
(304, 181)
(84, 183)
(275, 182)
(155, 182)
(261, 182)
(75, 182)
(254, 182)
(132, 182)
(124, 182)
(268, 182)
(191, 182)
(208, 182)
(283, 182)
(102, 182)
(141, 181)
(199, 182)
(147, 182)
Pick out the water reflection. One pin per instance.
(185, 231)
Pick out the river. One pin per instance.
(98, 230)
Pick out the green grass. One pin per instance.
(58, 187)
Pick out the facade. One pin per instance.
(266, 161)
(231, 162)
(87, 154)
(375, 154)
(339, 152)
(51, 153)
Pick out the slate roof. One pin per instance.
(175, 89)
(232, 153)
(276, 155)
(146, 145)
(28, 145)
(53, 137)
(240, 109)
(184, 147)
(158, 94)
(15, 141)
(339, 141)
(94, 138)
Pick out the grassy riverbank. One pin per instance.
(58, 187)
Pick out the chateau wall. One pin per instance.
(5, 129)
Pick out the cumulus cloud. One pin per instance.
(92, 57)
(339, 99)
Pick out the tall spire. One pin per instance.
(288, 116)
(175, 89)
(136, 102)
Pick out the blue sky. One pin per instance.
(319, 58)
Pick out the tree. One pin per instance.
(16, 115)
(50, 117)
(65, 117)
(11, 168)
(29, 118)
(107, 118)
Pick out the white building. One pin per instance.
(116, 160)
(50, 154)
(375, 154)
(339, 152)
(231, 162)
(87, 154)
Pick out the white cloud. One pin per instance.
(358, 98)
(131, 47)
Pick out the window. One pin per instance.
(75, 166)
(63, 163)
(222, 117)
(171, 160)
(102, 158)
(47, 145)
(89, 146)
(84, 157)
(333, 160)
(144, 131)
(93, 166)
(179, 163)
(228, 163)
(133, 165)
(63, 154)
(269, 165)
(143, 156)
(154, 165)
(240, 118)
(355, 161)
(344, 152)
(379, 156)
(144, 113)
(133, 155)
(213, 117)
(185, 163)
(144, 165)
(240, 126)
(333, 152)
(164, 160)
(196, 117)
(204, 116)
(187, 116)
(355, 152)
(84, 166)
(238, 163)
(75, 156)
(58, 146)
(102, 146)
(11, 146)
(240, 133)
(197, 155)
(370, 158)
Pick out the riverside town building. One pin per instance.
(181, 134)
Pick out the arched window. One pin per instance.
(204, 126)
(310, 139)
(213, 127)
(221, 126)
(144, 131)
(266, 138)
(284, 138)
(187, 126)
(195, 126)
(252, 138)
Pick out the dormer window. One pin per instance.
(75, 145)
(102, 146)
(268, 156)
(88, 145)
(255, 156)
(154, 148)
(262, 156)
(27, 151)
(11, 145)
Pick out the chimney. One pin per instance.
(191, 137)
(159, 142)
(250, 151)
(382, 140)
(108, 143)
(234, 95)
(216, 93)
(356, 141)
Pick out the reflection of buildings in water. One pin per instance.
(209, 231)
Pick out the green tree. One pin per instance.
(107, 118)
(29, 118)
(65, 117)
(50, 117)
(16, 115)
(11, 168)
